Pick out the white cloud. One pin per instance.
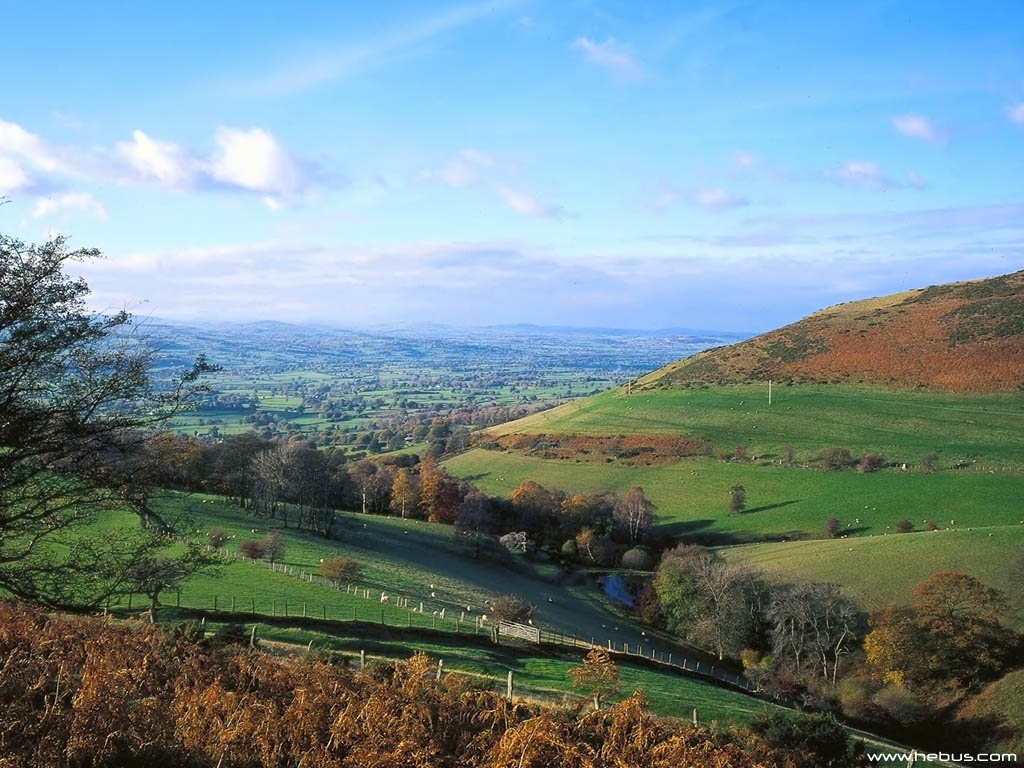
(1016, 113)
(916, 181)
(862, 173)
(250, 160)
(254, 160)
(50, 206)
(12, 175)
(610, 55)
(463, 170)
(16, 141)
(919, 127)
(744, 159)
(157, 161)
(523, 203)
(715, 199)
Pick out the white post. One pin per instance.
(769, 391)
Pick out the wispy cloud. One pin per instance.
(1016, 113)
(716, 199)
(610, 55)
(525, 204)
(462, 170)
(50, 206)
(742, 159)
(862, 173)
(338, 62)
(472, 168)
(919, 127)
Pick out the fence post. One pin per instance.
(215, 602)
(303, 609)
(177, 599)
(508, 691)
(252, 605)
(695, 716)
(129, 601)
(325, 611)
(362, 659)
(440, 667)
(381, 615)
(252, 637)
(285, 607)
(232, 603)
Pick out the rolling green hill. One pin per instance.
(691, 495)
(901, 425)
(908, 559)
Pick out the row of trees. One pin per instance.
(296, 483)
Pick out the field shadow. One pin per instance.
(766, 507)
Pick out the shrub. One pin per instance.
(903, 526)
(870, 462)
(510, 608)
(928, 461)
(901, 705)
(816, 740)
(834, 458)
(931, 526)
(569, 549)
(216, 539)
(251, 548)
(229, 634)
(832, 527)
(273, 546)
(638, 559)
(340, 570)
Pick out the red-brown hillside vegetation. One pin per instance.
(957, 337)
(87, 692)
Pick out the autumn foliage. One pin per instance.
(628, 449)
(90, 692)
(958, 337)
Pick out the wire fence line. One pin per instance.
(373, 605)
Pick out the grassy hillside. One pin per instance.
(691, 494)
(901, 425)
(421, 561)
(878, 570)
(957, 337)
(541, 674)
(1000, 706)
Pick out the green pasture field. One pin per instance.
(878, 570)
(541, 674)
(423, 562)
(900, 425)
(691, 495)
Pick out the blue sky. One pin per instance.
(720, 165)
